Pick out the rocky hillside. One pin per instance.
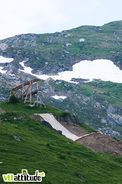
(96, 103)
(52, 53)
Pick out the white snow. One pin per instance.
(11, 74)
(58, 126)
(25, 68)
(68, 44)
(97, 69)
(82, 40)
(102, 69)
(59, 97)
(4, 60)
(28, 70)
(2, 71)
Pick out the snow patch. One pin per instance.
(12, 75)
(2, 71)
(59, 97)
(101, 69)
(26, 69)
(68, 44)
(4, 60)
(82, 40)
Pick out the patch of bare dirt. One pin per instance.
(101, 143)
(95, 140)
(74, 128)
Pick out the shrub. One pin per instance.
(13, 99)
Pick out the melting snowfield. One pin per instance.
(102, 69)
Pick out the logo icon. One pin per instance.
(24, 176)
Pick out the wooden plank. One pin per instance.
(25, 84)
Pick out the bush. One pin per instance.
(13, 99)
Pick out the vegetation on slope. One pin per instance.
(51, 53)
(26, 143)
(96, 103)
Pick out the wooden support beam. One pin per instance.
(25, 84)
(31, 92)
(27, 90)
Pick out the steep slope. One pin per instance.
(58, 126)
(101, 143)
(26, 143)
(94, 140)
(99, 103)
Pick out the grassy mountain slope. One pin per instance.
(97, 103)
(26, 143)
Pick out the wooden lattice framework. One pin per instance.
(27, 91)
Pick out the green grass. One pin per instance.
(109, 91)
(26, 109)
(39, 147)
(86, 90)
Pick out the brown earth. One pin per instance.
(101, 143)
(96, 140)
(75, 129)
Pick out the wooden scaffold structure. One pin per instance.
(28, 92)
